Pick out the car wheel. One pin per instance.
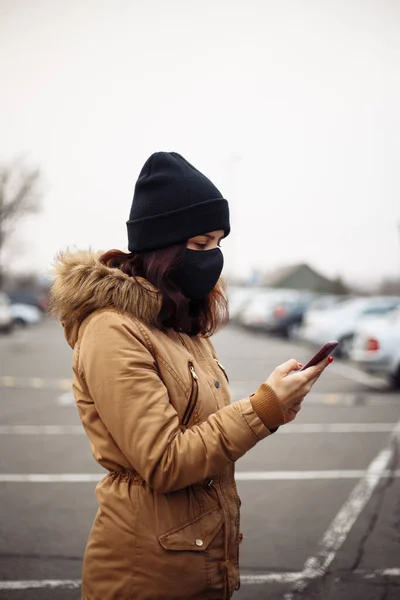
(395, 379)
(345, 345)
(7, 328)
(18, 322)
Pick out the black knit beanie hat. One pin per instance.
(173, 202)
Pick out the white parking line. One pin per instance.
(336, 428)
(66, 399)
(290, 428)
(261, 578)
(316, 566)
(364, 397)
(51, 584)
(24, 383)
(394, 572)
(74, 584)
(50, 478)
(41, 430)
(271, 578)
(239, 476)
(306, 475)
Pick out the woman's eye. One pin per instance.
(201, 246)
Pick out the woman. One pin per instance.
(153, 397)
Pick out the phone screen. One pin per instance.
(324, 352)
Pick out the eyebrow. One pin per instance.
(211, 237)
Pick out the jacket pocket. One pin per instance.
(222, 368)
(194, 394)
(194, 535)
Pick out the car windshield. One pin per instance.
(327, 302)
(367, 306)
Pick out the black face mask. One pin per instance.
(198, 272)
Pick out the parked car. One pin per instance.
(340, 322)
(40, 300)
(325, 301)
(24, 314)
(6, 320)
(276, 311)
(288, 314)
(239, 297)
(317, 309)
(376, 346)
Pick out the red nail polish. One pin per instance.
(330, 359)
(300, 365)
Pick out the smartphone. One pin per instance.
(323, 353)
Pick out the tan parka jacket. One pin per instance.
(156, 408)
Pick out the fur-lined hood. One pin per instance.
(83, 284)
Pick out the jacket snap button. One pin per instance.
(199, 542)
(217, 384)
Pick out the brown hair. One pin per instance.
(194, 317)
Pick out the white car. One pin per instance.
(376, 346)
(239, 297)
(325, 301)
(25, 314)
(6, 320)
(340, 322)
(260, 311)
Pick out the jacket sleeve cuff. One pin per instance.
(267, 407)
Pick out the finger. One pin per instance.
(308, 388)
(296, 407)
(290, 415)
(315, 372)
(311, 382)
(289, 366)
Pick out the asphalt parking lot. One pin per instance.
(320, 498)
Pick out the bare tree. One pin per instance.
(19, 197)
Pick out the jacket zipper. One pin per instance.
(182, 341)
(222, 369)
(194, 394)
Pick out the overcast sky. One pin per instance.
(291, 107)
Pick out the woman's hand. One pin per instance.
(291, 387)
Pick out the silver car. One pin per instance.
(6, 318)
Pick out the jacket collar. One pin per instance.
(83, 285)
